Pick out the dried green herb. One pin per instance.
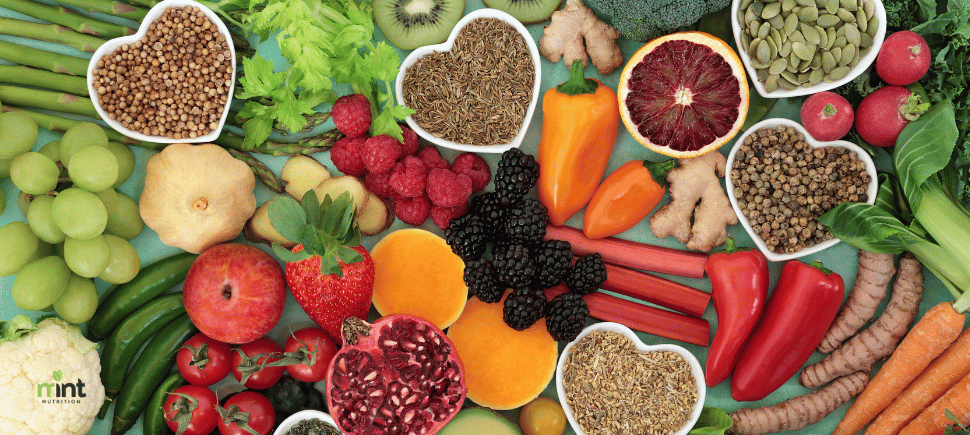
(312, 426)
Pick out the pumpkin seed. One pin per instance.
(796, 36)
(777, 66)
(838, 73)
(848, 54)
(832, 6)
(852, 34)
(785, 49)
(873, 26)
(771, 83)
(816, 60)
(757, 7)
(777, 22)
(828, 62)
(744, 4)
(808, 14)
(836, 53)
(865, 41)
(771, 10)
(803, 77)
(846, 16)
(830, 36)
(762, 74)
(828, 20)
(806, 3)
(803, 66)
(753, 53)
(787, 85)
(793, 62)
(745, 40)
(797, 9)
(850, 5)
(763, 30)
(816, 76)
(772, 50)
(820, 3)
(803, 51)
(840, 42)
(822, 36)
(810, 34)
(776, 37)
(753, 29)
(855, 60)
(869, 7)
(791, 23)
(789, 77)
(860, 19)
(749, 17)
(788, 5)
(764, 53)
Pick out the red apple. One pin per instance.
(235, 293)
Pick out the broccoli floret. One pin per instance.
(643, 20)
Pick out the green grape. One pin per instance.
(3, 202)
(125, 222)
(126, 162)
(23, 202)
(109, 197)
(123, 263)
(52, 150)
(34, 173)
(49, 309)
(40, 283)
(5, 167)
(79, 301)
(80, 213)
(80, 136)
(93, 169)
(44, 249)
(87, 258)
(40, 217)
(24, 242)
(19, 134)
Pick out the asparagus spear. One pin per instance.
(27, 76)
(56, 62)
(47, 100)
(109, 7)
(262, 172)
(50, 32)
(68, 18)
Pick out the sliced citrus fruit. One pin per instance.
(683, 94)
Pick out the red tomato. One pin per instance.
(202, 402)
(191, 356)
(260, 413)
(310, 341)
(261, 379)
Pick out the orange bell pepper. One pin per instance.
(580, 120)
(626, 197)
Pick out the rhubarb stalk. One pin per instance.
(656, 290)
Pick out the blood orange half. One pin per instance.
(683, 94)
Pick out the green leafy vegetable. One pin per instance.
(14, 328)
(713, 421)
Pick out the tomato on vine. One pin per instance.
(315, 348)
(203, 360)
(247, 413)
(191, 410)
(250, 363)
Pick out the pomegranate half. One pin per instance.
(397, 376)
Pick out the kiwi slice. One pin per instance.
(409, 24)
(526, 11)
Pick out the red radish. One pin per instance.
(882, 114)
(827, 116)
(903, 59)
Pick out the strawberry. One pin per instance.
(328, 272)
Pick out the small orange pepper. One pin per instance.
(580, 120)
(626, 197)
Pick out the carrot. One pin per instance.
(656, 290)
(943, 373)
(929, 337)
(869, 289)
(956, 400)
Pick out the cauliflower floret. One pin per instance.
(53, 353)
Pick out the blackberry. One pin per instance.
(490, 211)
(587, 275)
(515, 175)
(466, 236)
(526, 224)
(566, 316)
(513, 265)
(482, 281)
(551, 261)
(523, 308)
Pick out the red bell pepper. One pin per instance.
(801, 308)
(739, 287)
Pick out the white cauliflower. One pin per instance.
(51, 360)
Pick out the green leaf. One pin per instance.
(868, 227)
(287, 255)
(16, 327)
(311, 241)
(348, 255)
(889, 197)
(311, 207)
(287, 217)
(713, 421)
(329, 266)
(924, 148)
(257, 131)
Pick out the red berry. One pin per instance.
(351, 114)
(408, 177)
(379, 184)
(412, 211)
(410, 145)
(474, 167)
(432, 159)
(448, 189)
(347, 155)
(381, 152)
(903, 59)
(442, 216)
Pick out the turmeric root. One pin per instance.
(880, 339)
(563, 38)
(871, 281)
(696, 179)
(799, 412)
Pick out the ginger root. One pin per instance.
(563, 38)
(796, 413)
(871, 281)
(696, 179)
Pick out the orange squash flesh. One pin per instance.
(504, 368)
(416, 273)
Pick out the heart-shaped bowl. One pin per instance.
(306, 414)
(446, 46)
(110, 46)
(772, 123)
(864, 61)
(695, 368)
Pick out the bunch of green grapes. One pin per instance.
(78, 225)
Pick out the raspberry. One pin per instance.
(410, 145)
(448, 189)
(380, 153)
(442, 216)
(346, 155)
(408, 177)
(474, 167)
(412, 211)
(351, 114)
(432, 159)
(379, 184)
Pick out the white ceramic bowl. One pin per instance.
(695, 367)
(445, 46)
(864, 62)
(300, 416)
(111, 45)
(774, 122)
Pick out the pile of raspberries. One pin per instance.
(419, 181)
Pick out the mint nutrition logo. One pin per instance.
(60, 392)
